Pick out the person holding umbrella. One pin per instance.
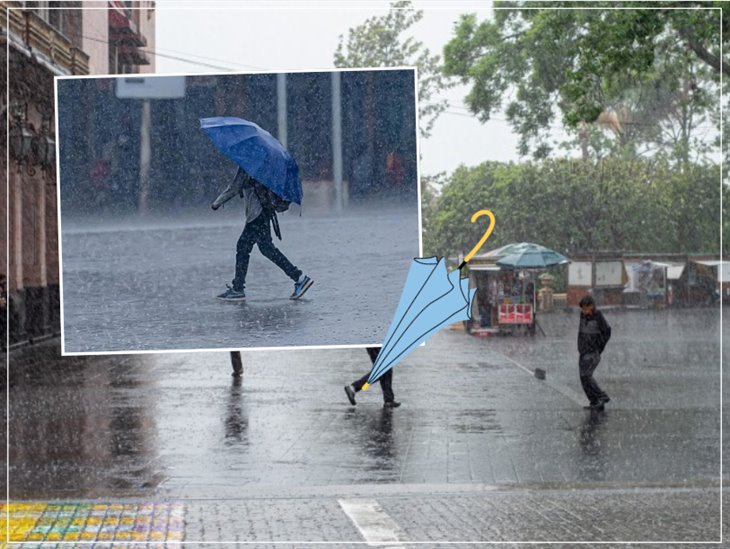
(257, 231)
(268, 180)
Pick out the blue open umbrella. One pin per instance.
(257, 152)
(432, 299)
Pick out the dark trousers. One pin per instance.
(386, 380)
(259, 232)
(586, 366)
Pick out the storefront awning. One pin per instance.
(122, 29)
(723, 268)
(674, 272)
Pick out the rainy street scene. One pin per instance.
(159, 179)
(480, 449)
(495, 315)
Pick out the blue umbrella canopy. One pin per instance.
(257, 152)
(432, 299)
(531, 256)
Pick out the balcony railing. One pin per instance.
(42, 38)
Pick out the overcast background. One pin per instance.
(255, 36)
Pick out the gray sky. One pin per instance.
(304, 35)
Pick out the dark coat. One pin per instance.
(593, 333)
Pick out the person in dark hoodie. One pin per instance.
(593, 335)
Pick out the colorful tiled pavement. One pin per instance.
(128, 522)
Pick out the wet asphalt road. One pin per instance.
(151, 284)
(476, 427)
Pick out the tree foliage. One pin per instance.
(645, 75)
(572, 206)
(379, 42)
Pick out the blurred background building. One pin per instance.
(47, 39)
(352, 133)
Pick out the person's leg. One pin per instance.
(357, 385)
(373, 353)
(386, 385)
(243, 255)
(271, 252)
(587, 365)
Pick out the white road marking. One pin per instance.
(374, 524)
(562, 389)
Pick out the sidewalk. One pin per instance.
(408, 514)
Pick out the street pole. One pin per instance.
(337, 137)
(145, 155)
(281, 106)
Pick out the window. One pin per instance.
(39, 8)
(55, 15)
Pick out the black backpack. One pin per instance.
(270, 201)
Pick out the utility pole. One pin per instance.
(337, 137)
(281, 107)
(145, 156)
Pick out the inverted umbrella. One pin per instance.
(257, 152)
(431, 300)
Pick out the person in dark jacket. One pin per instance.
(386, 383)
(593, 335)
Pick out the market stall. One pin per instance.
(506, 282)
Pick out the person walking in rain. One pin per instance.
(593, 335)
(386, 383)
(257, 230)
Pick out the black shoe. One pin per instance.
(350, 392)
(391, 404)
(595, 407)
(605, 400)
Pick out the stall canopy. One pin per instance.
(723, 268)
(674, 270)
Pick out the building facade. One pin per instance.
(47, 39)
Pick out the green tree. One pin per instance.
(379, 42)
(573, 205)
(647, 76)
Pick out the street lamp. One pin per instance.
(21, 145)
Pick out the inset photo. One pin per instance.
(235, 211)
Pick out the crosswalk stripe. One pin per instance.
(374, 524)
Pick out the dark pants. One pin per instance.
(587, 365)
(386, 380)
(259, 232)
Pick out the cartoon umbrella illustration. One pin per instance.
(257, 152)
(432, 299)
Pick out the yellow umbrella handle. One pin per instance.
(485, 236)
